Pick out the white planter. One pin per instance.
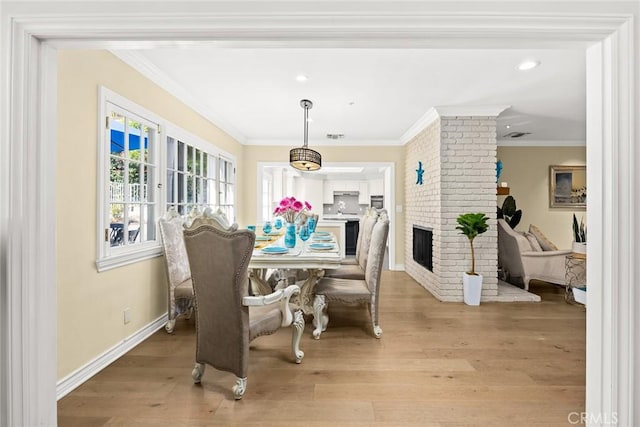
(579, 247)
(472, 288)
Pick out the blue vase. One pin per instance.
(311, 223)
(290, 235)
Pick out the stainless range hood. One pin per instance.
(346, 193)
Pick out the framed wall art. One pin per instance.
(568, 187)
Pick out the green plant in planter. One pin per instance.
(579, 232)
(472, 225)
(509, 212)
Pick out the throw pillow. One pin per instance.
(545, 243)
(533, 242)
(523, 242)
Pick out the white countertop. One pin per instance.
(343, 217)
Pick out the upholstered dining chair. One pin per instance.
(355, 292)
(180, 287)
(355, 270)
(227, 317)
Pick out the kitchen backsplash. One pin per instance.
(351, 206)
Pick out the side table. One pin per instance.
(575, 274)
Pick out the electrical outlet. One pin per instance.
(127, 315)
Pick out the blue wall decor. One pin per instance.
(419, 173)
(498, 170)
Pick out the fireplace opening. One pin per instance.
(423, 246)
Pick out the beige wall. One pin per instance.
(526, 170)
(91, 304)
(395, 154)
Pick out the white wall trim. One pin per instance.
(427, 118)
(470, 110)
(28, 222)
(72, 381)
(611, 169)
(448, 111)
(517, 142)
(398, 267)
(324, 143)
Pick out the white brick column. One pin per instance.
(458, 151)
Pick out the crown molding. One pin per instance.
(470, 110)
(323, 143)
(427, 118)
(547, 143)
(450, 111)
(157, 76)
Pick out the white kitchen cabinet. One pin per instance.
(314, 194)
(327, 191)
(363, 197)
(345, 185)
(376, 187)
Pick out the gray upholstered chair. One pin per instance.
(355, 270)
(227, 317)
(520, 262)
(353, 292)
(180, 288)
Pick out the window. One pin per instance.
(227, 191)
(192, 180)
(133, 162)
(132, 174)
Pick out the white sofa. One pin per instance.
(519, 261)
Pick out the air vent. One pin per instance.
(335, 135)
(516, 134)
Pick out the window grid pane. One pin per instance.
(194, 178)
(130, 179)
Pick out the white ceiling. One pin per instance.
(372, 96)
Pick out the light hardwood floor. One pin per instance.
(437, 364)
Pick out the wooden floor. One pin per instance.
(437, 364)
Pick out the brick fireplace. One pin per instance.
(458, 155)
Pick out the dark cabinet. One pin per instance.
(351, 239)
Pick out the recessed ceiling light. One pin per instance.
(302, 78)
(507, 126)
(528, 65)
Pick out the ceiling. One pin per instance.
(371, 96)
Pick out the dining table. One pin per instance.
(313, 257)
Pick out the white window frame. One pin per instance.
(111, 257)
(227, 182)
(177, 133)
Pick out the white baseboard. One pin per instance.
(398, 267)
(75, 379)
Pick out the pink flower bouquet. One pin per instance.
(290, 209)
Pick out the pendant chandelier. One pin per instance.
(304, 158)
